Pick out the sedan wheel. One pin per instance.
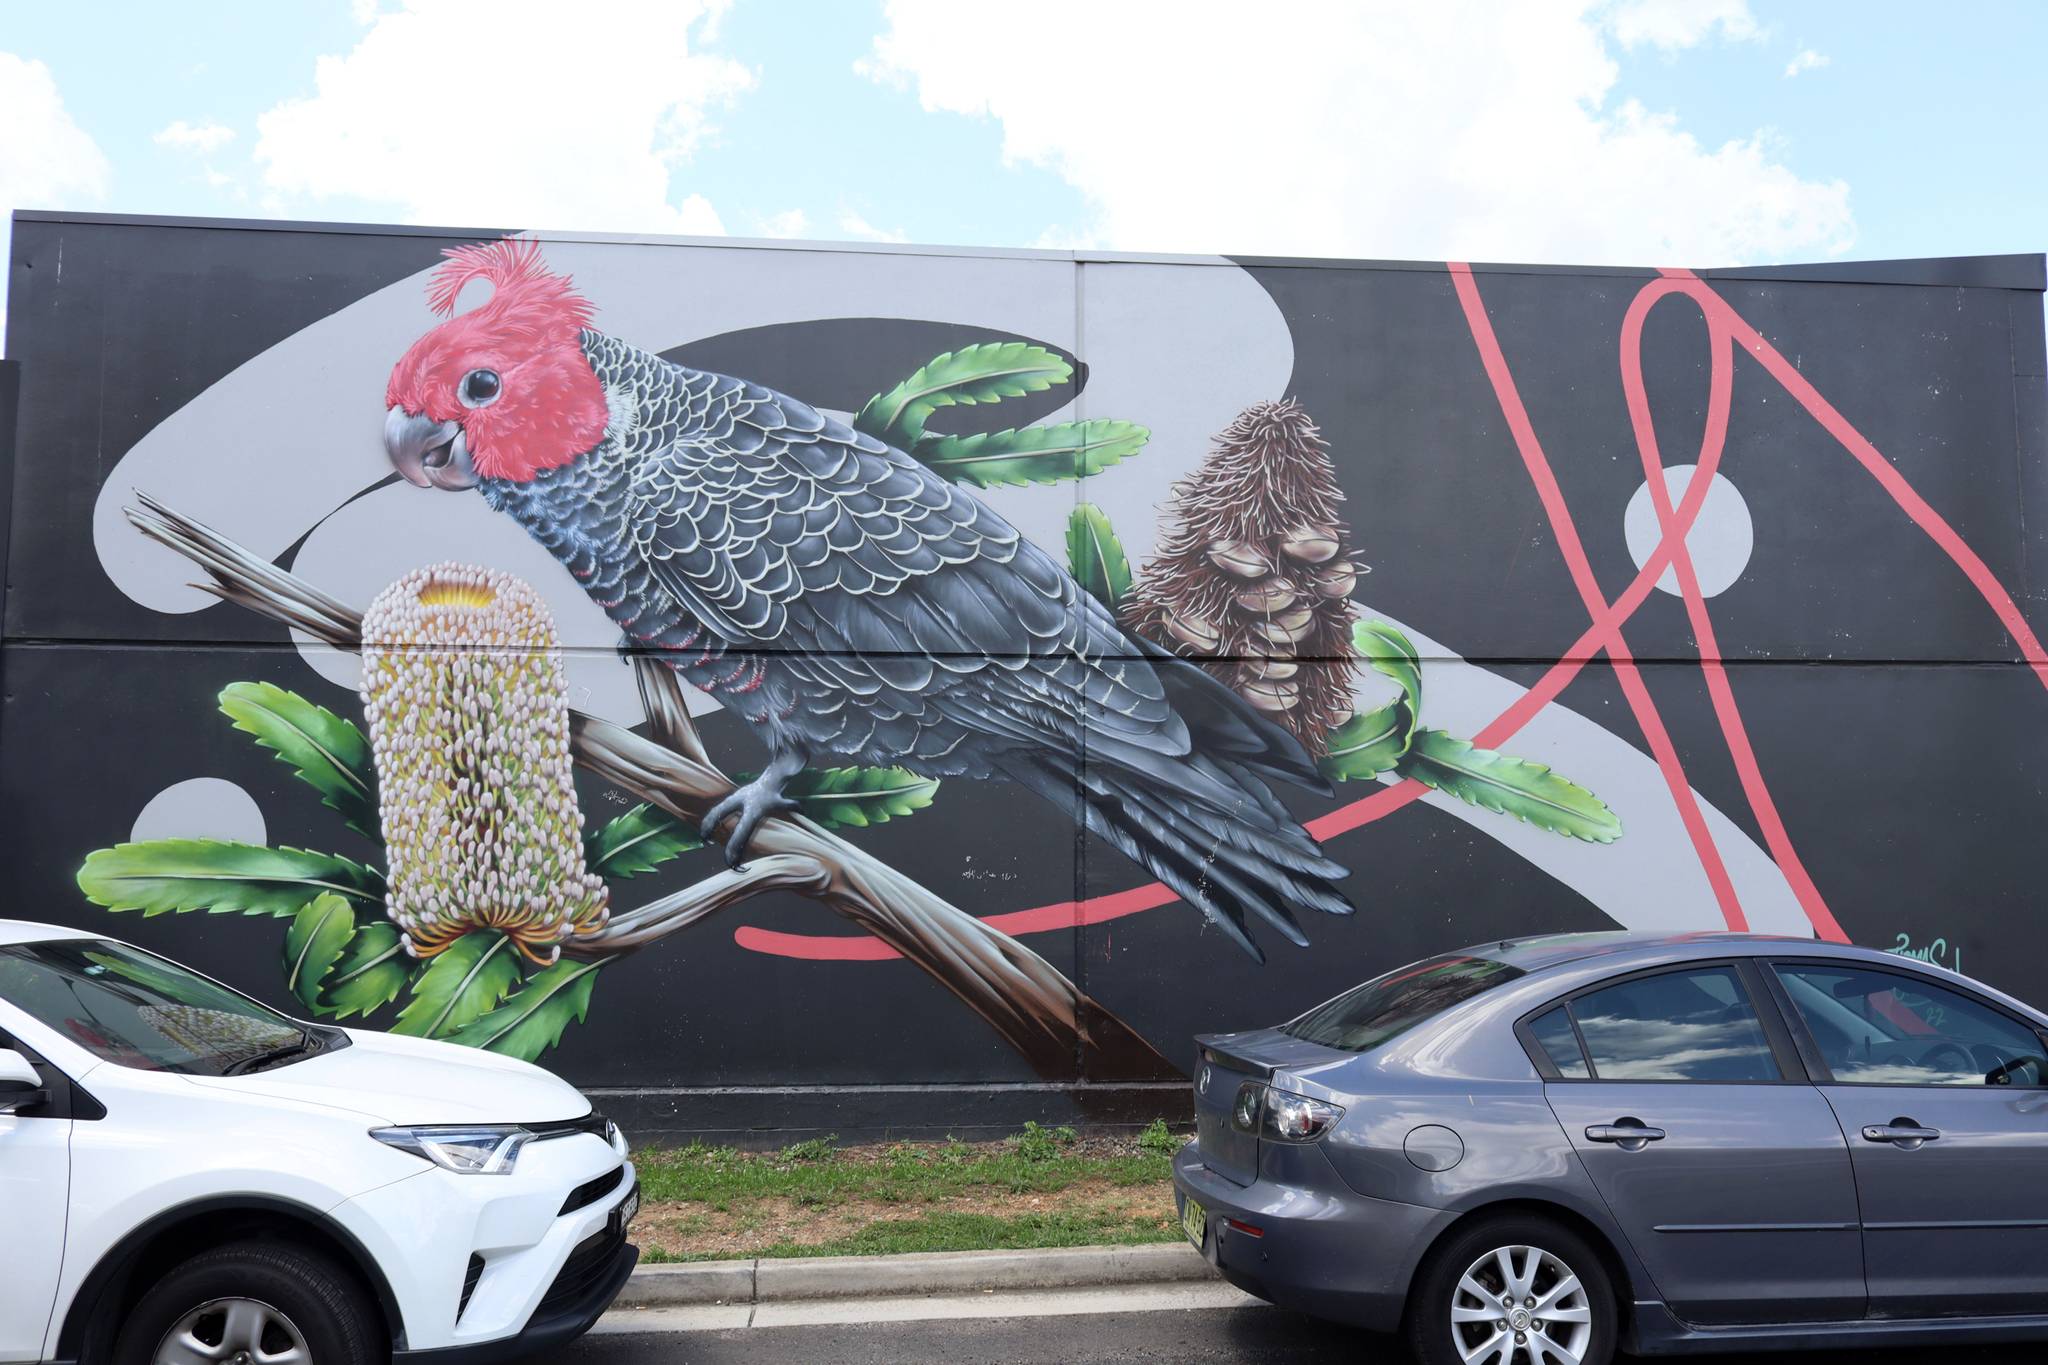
(1513, 1289)
(236, 1332)
(1519, 1304)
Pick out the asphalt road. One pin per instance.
(1240, 1336)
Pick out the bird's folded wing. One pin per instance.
(789, 531)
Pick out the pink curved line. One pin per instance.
(1038, 920)
(1597, 605)
(1726, 713)
(1884, 471)
(1604, 627)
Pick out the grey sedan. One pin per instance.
(1540, 1151)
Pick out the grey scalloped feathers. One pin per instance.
(1254, 572)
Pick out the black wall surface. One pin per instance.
(1891, 726)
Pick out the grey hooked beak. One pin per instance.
(429, 454)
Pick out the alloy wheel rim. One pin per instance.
(234, 1331)
(1521, 1305)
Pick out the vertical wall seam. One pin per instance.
(1079, 870)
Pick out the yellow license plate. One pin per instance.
(1194, 1221)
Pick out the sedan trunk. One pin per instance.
(1228, 1135)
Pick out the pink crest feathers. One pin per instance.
(524, 292)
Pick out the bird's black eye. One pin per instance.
(480, 388)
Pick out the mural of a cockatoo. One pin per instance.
(845, 600)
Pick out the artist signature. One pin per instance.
(1935, 952)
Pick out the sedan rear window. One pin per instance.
(1363, 1018)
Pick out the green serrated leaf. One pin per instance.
(1096, 557)
(987, 373)
(1511, 786)
(639, 841)
(1369, 743)
(532, 1019)
(371, 973)
(165, 875)
(461, 983)
(328, 752)
(318, 936)
(858, 797)
(1027, 455)
(1389, 652)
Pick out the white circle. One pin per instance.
(201, 808)
(1719, 543)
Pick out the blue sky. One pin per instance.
(1698, 132)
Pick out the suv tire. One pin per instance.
(1563, 1294)
(276, 1291)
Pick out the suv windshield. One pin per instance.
(1361, 1019)
(136, 1009)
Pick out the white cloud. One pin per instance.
(203, 138)
(1807, 60)
(859, 228)
(788, 223)
(46, 160)
(1675, 24)
(511, 112)
(1461, 129)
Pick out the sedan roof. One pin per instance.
(1549, 950)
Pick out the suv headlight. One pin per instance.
(468, 1149)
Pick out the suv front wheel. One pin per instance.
(253, 1303)
(1513, 1290)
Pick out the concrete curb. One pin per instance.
(949, 1272)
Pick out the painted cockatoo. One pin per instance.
(850, 604)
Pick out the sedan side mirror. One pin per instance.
(20, 1086)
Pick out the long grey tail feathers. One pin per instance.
(1236, 866)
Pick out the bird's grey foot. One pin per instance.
(626, 648)
(753, 803)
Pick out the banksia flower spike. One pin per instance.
(469, 722)
(1254, 576)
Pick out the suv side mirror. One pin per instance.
(20, 1086)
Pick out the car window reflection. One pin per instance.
(1678, 1026)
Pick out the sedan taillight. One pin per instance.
(1297, 1118)
(1282, 1115)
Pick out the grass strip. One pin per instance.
(1044, 1187)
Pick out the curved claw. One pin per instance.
(754, 803)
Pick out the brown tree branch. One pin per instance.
(1035, 1008)
(669, 723)
(658, 919)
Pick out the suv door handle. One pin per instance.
(1631, 1135)
(1902, 1133)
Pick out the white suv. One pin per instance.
(189, 1176)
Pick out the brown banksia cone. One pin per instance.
(1254, 572)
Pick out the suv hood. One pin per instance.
(398, 1080)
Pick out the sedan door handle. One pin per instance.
(1904, 1134)
(1629, 1135)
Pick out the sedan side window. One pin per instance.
(1882, 1028)
(1693, 1025)
(1553, 1033)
